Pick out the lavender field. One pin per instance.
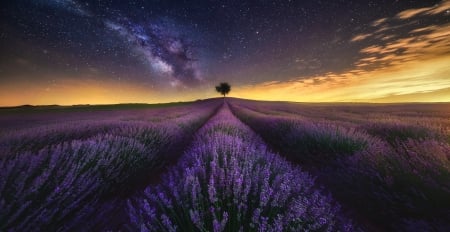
(226, 165)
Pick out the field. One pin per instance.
(233, 165)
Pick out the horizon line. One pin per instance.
(201, 99)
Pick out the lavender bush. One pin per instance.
(393, 132)
(405, 185)
(40, 191)
(303, 140)
(63, 175)
(229, 181)
(398, 181)
(39, 136)
(86, 171)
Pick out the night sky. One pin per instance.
(99, 52)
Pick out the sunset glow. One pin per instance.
(400, 54)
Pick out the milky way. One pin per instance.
(160, 42)
(167, 51)
(174, 50)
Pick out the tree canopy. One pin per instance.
(223, 88)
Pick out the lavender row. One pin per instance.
(398, 180)
(90, 124)
(60, 181)
(306, 141)
(389, 122)
(404, 188)
(228, 181)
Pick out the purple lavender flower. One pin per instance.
(55, 176)
(237, 187)
(391, 164)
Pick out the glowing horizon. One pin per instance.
(401, 55)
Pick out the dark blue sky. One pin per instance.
(166, 45)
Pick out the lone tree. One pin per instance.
(224, 88)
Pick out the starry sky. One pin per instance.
(110, 51)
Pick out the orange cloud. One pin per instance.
(412, 12)
(404, 82)
(378, 22)
(360, 37)
(423, 29)
(396, 67)
(437, 9)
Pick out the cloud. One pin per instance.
(412, 12)
(437, 9)
(403, 61)
(442, 95)
(391, 48)
(423, 29)
(401, 83)
(378, 22)
(360, 37)
(423, 43)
